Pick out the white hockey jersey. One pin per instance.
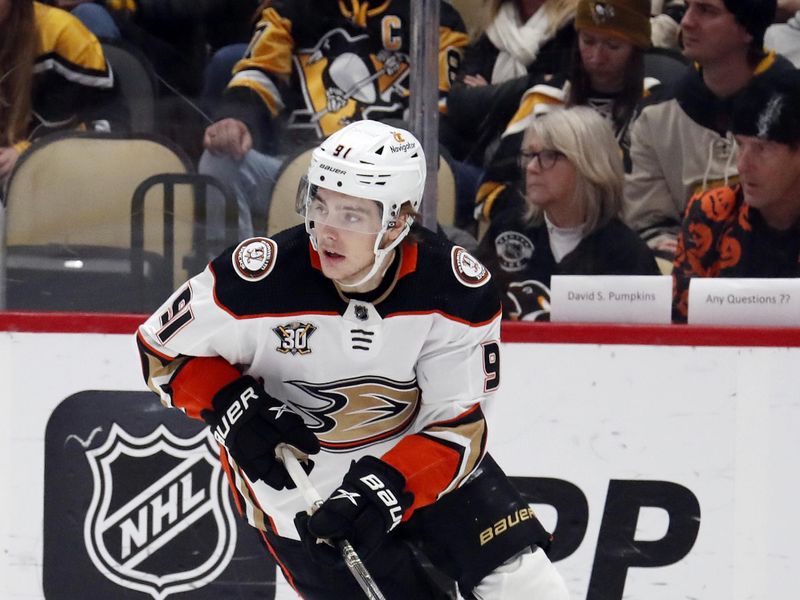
(399, 373)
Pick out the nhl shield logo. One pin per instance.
(160, 520)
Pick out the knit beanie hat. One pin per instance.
(629, 19)
(769, 108)
(754, 15)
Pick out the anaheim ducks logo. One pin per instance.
(254, 258)
(357, 412)
(398, 137)
(468, 269)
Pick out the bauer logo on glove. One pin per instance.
(368, 504)
(250, 424)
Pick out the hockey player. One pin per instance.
(370, 346)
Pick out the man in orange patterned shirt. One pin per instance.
(752, 229)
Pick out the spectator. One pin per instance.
(573, 189)
(374, 348)
(607, 73)
(53, 76)
(679, 142)
(784, 38)
(524, 38)
(312, 68)
(751, 229)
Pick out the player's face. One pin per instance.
(605, 58)
(549, 179)
(770, 177)
(346, 228)
(710, 33)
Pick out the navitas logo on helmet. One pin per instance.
(403, 147)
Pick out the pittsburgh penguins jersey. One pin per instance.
(400, 373)
(71, 76)
(324, 64)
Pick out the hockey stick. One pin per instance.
(314, 500)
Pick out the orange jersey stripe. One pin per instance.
(428, 466)
(194, 385)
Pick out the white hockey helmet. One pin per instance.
(370, 159)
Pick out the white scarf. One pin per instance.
(563, 240)
(518, 44)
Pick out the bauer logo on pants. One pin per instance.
(126, 529)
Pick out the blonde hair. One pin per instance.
(560, 12)
(588, 142)
(18, 42)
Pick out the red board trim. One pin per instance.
(512, 332)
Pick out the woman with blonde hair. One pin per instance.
(569, 224)
(53, 75)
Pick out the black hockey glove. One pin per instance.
(368, 504)
(250, 424)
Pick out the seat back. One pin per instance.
(446, 194)
(282, 212)
(137, 84)
(185, 240)
(74, 191)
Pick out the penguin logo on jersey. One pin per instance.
(344, 80)
(294, 337)
(357, 412)
(530, 300)
(142, 514)
(254, 258)
(602, 12)
(468, 269)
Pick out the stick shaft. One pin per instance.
(354, 563)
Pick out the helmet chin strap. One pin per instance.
(382, 256)
(380, 261)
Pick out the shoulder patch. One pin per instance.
(254, 258)
(468, 269)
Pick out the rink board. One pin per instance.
(666, 469)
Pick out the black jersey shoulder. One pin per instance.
(448, 280)
(272, 276)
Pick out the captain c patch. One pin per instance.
(468, 269)
(254, 258)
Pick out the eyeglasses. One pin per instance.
(546, 158)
